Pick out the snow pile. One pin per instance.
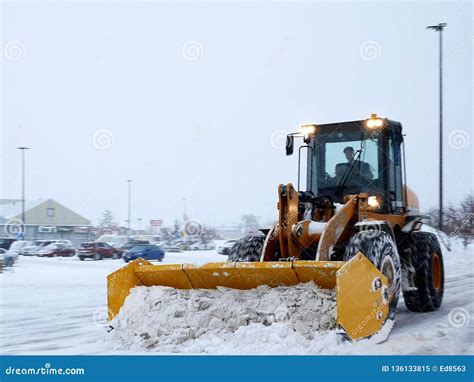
(225, 320)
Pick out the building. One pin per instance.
(45, 219)
(229, 232)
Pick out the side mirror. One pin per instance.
(290, 143)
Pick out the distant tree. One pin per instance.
(107, 220)
(166, 234)
(465, 227)
(249, 223)
(457, 220)
(208, 234)
(176, 230)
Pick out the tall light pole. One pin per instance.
(439, 28)
(129, 206)
(23, 218)
(185, 217)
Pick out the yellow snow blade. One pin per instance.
(360, 287)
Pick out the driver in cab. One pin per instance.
(360, 168)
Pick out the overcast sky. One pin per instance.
(191, 100)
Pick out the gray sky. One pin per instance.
(191, 100)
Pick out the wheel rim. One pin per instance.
(388, 270)
(436, 271)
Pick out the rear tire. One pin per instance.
(247, 249)
(380, 249)
(115, 256)
(426, 276)
(97, 256)
(81, 258)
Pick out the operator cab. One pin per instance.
(355, 157)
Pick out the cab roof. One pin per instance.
(357, 126)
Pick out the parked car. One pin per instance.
(97, 251)
(201, 245)
(7, 258)
(170, 247)
(145, 251)
(186, 244)
(56, 249)
(130, 244)
(16, 246)
(35, 246)
(224, 249)
(6, 242)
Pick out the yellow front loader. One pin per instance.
(354, 230)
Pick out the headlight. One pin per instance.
(373, 202)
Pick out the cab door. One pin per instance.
(395, 175)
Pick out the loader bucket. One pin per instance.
(361, 289)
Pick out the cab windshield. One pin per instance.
(345, 163)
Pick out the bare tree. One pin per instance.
(107, 220)
(249, 223)
(457, 220)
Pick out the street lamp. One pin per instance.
(23, 218)
(185, 216)
(439, 28)
(129, 205)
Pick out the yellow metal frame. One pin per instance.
(362, 306)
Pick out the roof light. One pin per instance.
(374, 122)
(308, 131)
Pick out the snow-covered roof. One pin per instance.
(10, 210)
(36, 212)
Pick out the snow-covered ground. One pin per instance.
(58, 306)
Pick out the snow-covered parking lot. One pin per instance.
(58, 306)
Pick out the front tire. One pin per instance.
(380, 249)
(97, 256)
(426, 274)
(247, 249)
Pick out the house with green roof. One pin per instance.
(44, 219)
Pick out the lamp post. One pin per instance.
(185, 216)
(23, 218)
(439, 28)
(129, 206)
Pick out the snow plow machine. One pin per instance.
(355, 229)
